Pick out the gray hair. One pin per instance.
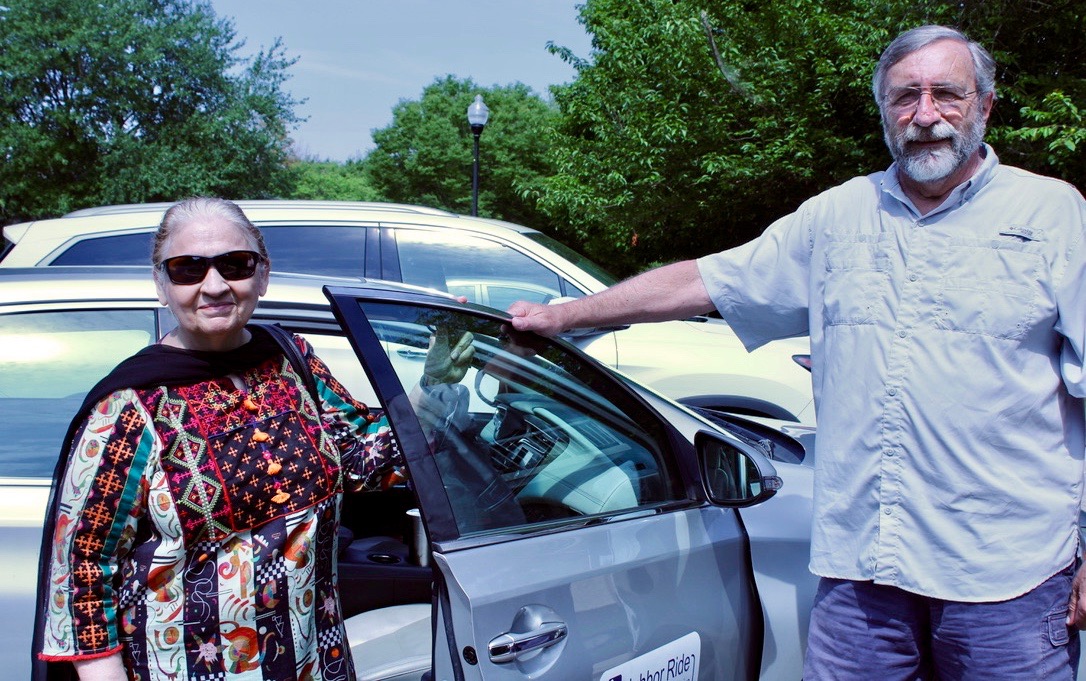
(984, 67)
(201, 208)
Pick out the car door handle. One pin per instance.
(411, 354)
(509, 646)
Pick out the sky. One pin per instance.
(358, 58)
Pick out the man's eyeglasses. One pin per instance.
(903, 100)
(185, 270)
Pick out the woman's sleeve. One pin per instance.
(98, 502)
(369, 455)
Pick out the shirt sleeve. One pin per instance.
(368, 453)
(1071, 307)
(98, 506)
(762, 288)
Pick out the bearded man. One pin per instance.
(943, 299)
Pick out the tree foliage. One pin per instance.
(134, 100)
(330, 181)
(425, 155)
(697, 122)
(1060, 125)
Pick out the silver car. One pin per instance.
(561, 521)
(699, 361)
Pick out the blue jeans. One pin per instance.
(865, 631)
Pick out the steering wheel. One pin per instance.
(480, 373)
(480, 497)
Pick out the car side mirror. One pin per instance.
(732, 477)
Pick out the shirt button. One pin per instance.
(889, 452)
(891, 391)
(902, 334)
(887, 511)
(913, 277)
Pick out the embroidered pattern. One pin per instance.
(304, 475)
(97, 529)
(216, 459)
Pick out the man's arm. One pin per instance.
(673, 291)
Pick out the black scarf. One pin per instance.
(153, 366)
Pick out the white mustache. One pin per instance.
(940, 131)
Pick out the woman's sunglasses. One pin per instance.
(185, 270)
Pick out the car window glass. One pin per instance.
(120, 249)
(571, 290)
(605, 277)
(48, 362)
(337, 354)
(501, 296)
(331, 250)
(530, 433)
(473, 266)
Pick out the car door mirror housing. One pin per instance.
(732, 476)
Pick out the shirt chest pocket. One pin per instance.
(857, 282)
(989, 287)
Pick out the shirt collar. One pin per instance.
(958, 196)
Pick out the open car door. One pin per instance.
(569, 532)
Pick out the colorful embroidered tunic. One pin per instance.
(196, 527)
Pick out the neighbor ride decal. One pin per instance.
(675, 661)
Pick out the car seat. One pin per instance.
(391, 644)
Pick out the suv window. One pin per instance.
(531, 433)
(48, 362)
(486, 271)
(574, 257)
(120, 249)
(331, 250)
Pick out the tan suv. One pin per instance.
(697, 361)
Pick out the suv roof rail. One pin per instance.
(286, 204)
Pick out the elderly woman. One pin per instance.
(195, 514)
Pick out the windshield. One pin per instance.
(605, 277)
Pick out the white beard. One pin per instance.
(929, 165)
(932, 165)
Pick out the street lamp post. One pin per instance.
(477, 115)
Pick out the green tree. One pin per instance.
(135, 100)
(425, 155)
(697, 122)
(1059, 124)
(331, 181)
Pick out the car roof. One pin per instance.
(142, 217)
(254, 204)
(36, 242)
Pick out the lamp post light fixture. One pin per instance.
(477, 116)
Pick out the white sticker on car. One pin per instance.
(676, 661)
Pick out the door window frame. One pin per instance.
(427, 480)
